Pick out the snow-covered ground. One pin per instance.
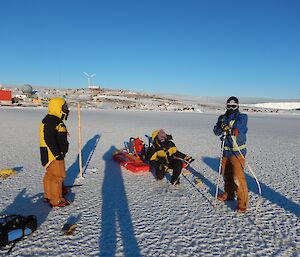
(122, 214)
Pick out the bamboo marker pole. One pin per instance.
(79, 141)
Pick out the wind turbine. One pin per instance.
(89, 77)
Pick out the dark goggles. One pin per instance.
(65, 108)
(232, 106)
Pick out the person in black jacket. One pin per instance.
(163, 156)
(53, 148)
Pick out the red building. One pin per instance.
(5, 97)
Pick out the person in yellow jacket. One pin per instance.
(53, 148)
(163, 156)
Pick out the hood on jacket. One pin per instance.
(59, 108)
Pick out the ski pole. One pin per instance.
(252, 172)
(174, 183)
(198, 189)
(220, 168)
(187, 163)
(250, 169)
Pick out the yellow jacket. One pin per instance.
(53, 132)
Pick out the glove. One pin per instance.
(225, 128)
(189, 159)
(163, 168)
(169, 137)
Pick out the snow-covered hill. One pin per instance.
(110, 99)
(280, 105)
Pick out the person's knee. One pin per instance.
(177, 165)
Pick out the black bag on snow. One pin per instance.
(14, 227)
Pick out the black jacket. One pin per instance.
(163, 154)
(53, 139)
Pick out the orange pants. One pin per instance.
(53, 181)
(234, 179)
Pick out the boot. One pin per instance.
(61, 203)
(241, 210)
(224, 197)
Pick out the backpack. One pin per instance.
(137, 146)
(14, 227)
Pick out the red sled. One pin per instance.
(130, 161)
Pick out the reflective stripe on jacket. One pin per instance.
(235, 121)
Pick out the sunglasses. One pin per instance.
(232, 106)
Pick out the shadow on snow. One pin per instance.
(87, 153)
(115, 216)
(267, 192)
(26, 205)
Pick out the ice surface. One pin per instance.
(122, 214)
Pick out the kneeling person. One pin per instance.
(163, 155)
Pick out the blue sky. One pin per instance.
(194, 47)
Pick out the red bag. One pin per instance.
(138, 147)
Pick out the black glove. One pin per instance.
(169, 137)
(225, 128)
(189, 159)
(163, 168)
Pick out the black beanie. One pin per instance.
(232, 100)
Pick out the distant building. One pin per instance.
(95, 88)
(28, 90)
(5, 97)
